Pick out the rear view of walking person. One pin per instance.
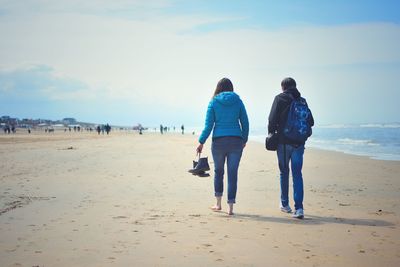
(291, 118)
(227, 118)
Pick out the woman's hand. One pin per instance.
(199, 148)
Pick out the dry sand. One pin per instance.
(79, 199)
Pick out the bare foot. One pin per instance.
(230, 210)
(215, 208)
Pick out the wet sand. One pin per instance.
(79, 199)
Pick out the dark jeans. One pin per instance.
(294, 156)
(229, 148)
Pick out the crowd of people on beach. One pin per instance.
(9, 129)
(104, 129)
(99, 129)
(166, 129)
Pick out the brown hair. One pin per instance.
(288, 83)
(224, 85)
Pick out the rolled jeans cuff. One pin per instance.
(231, 201)
(218, 194)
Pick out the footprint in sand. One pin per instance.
(11, 250)
(374, 234)
(120, 217)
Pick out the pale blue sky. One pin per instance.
(158, 61)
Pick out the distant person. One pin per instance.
(183, 129)
(161, 129)
(227, 118)
(108, 128)
(290, 149)
(29, 130)
(98, 129)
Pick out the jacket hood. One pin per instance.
(294, 92)
(227, 98)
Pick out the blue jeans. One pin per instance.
(294, 155)
(229, 148)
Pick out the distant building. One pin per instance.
(8, 120)
(69, 121)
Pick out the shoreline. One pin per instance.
(59, 135)
(258, 139)
(196, 130)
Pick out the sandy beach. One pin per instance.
(82, 199)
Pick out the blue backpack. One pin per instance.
(298, 125)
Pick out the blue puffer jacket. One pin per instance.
(224, 113)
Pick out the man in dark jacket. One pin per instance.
(288, 150)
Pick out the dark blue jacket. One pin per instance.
(279, 112)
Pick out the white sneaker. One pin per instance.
(299, 214)
(286, 209)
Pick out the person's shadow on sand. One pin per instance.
(313, 220)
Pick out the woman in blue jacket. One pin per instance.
(227, 118)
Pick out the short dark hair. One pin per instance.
(224, 85)
(288, 83)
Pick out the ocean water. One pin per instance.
(377, 141)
